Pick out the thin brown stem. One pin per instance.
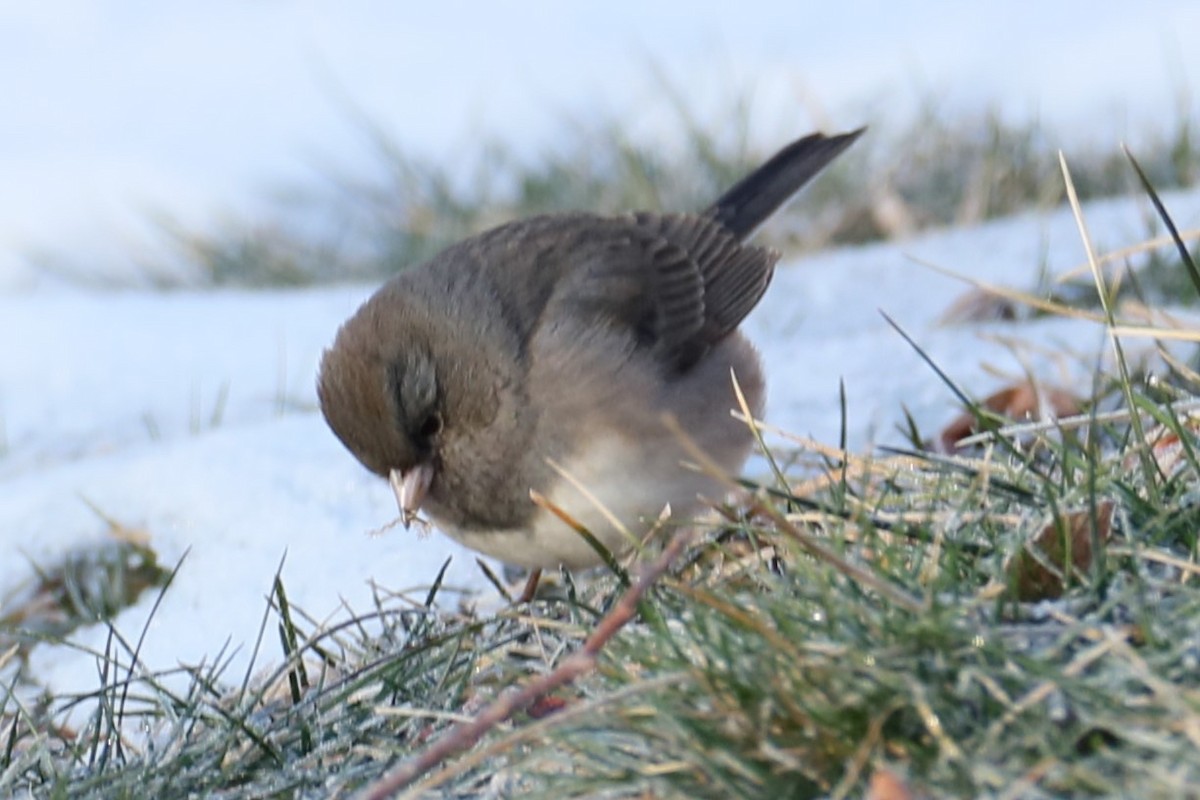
(464, 736)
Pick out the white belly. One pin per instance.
(624, 483)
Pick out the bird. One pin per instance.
(540, 358)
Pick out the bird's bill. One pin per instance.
(410, 489)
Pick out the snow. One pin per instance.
(192, 415)
(236, 495)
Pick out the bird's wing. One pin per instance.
(678, 282)
(725, 280)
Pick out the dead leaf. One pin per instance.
(979, 305)
(545, 706)
(1166, 448)
(1042, 569)
(1020, 402)
(887, 785)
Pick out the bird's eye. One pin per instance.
(431, 426)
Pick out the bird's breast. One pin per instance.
(614, 488)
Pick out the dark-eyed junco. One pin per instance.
(555, 345)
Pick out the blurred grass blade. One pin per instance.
(1184, 256)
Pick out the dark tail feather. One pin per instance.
(760, 194)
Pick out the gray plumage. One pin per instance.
(564, 338)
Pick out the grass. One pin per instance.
(1015, 619)
(90, 585)
(756, 669)
(937, 170)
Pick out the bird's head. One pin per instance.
(414, 392)
(383, 397)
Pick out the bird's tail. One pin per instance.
(761, 193)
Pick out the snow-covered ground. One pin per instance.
(111, 398)
(192, 415)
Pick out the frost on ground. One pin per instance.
(193, 416)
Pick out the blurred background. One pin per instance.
(292, 142)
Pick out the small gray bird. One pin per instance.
(555, 345)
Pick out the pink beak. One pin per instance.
(410, 489)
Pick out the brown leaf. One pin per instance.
(979, 305)
(546, 705)
(1019, 402)
(887, 785)
(1042, 568)
(1166, 448)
